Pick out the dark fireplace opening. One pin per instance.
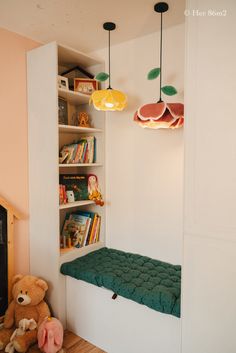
(3, 262)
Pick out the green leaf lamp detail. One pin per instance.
(108, 99)
(154, 73)
(160, 115)
(101, 76)
(169, 90)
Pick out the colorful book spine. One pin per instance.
(91, 238)
(98, 230)
(62, 194)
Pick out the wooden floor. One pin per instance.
(72, 344)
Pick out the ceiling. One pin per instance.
(78, 23)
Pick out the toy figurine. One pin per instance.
(83, 119)
(94, 190)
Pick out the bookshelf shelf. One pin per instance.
(76, 250)
(80, 165)
(76, 204)
(73, 97)
(77, 129)
(73, 253)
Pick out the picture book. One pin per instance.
(83, 224)
(78, 183)
(88, 215)
(74, 230)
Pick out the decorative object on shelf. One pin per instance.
(85, 85)
(70, 196)
(108, 99)
(76, 72)
(94, 190)
(83, 120)
(62, 111)
(62, 82)
(160, 115)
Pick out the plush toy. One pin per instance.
(24, 325)
(50, 335)
(28, 293)
(94, 190)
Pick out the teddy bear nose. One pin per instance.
(20, 299)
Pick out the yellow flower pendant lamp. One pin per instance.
(108, 99)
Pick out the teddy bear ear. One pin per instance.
(42, 284)
(16, 278)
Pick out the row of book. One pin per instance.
(82, 151)
(80, 229)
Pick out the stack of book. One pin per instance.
(82, 151)
(80, 229)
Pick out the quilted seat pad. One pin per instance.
(146, 281)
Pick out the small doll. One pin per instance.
(94, 190)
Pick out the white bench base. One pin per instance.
(120, 325)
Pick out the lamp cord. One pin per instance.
(109, 58)
(160, 100)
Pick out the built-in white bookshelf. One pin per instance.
(46, 138)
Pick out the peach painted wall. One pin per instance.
(13, 136)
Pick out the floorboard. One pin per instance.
(72, 344)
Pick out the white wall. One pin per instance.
(145, 167)
(209, 286)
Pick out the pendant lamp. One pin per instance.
(108, 99)
(161, 114)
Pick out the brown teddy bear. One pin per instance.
(28, 293)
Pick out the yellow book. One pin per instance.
(98, 229)
(93, 229)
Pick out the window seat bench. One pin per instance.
(146, 281)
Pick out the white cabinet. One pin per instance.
(45, 139)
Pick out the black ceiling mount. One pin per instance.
(109, 26)
(161, 7)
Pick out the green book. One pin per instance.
(78, 183)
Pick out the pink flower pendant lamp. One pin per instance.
(160, 115)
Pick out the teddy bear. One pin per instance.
(28, 294)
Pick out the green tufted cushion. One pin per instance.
(150, 282)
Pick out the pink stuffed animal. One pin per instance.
(50, 335)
